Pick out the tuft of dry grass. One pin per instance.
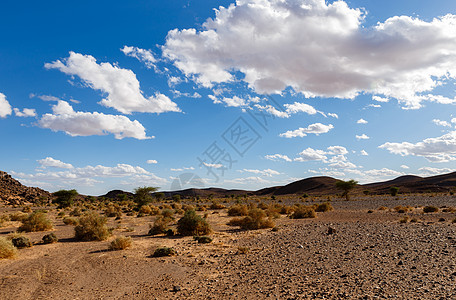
(7, 249)
(303, 212)
(404, 220)
(430, 209)
(193, 224)
(92, 227)
(36, 221)
(121, 243)
(160, 225)
(164, 251)
(243, 250)
(256, 219)
(70, 221)
(238, 210)
(324, 207)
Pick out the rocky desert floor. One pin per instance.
(369, 255)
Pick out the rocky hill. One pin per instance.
(14, 193)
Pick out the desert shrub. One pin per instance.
(61, 214)
(36, 221)
(286, 210)
(272, 212)
(324, 207)
(303, 212)
(186, 207)
(65, 198)
(70, 221)
(27, 209)
(216, 205)
(430, 209)
(170, 232)
(449, 209)
(176, 206)
(91, 227)
(256, 219)
(176, 198)
(143, 195)
(21, 242)
(404, 220)
(383, 208)
(454, 221)
(160, 225)
(204, 240)
(192, 224)
(120, 243)
(414, 220)
(76, 212)
(18, 216)
(7, 249)
(167, 213)
(402, 209)
(50, 238)
(113, 210)
(243, 250)
(262, 205)
(394, 190)
(238, 210)
(164, 251)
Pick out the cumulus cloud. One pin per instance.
(439, 149)
(51, 162)
(319, 49)
(248, 180)
(64, 118)
(277, 157)
(361, 121)
(26, 112)
(231, 102)
(380, 99)
(316, 128)
(441, 123)
(266, 172)
(337, 150)
(5, 107)
(143, 55)
(120, 85)
(429, 171)
(310, 154)
(151, 161)
(384, 172)
(182, 169)
(405, 167)
(364, 153)
(362, 137)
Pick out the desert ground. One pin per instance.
(359, 250)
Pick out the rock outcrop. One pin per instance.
(12, 192)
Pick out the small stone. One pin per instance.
(176, 288)
(331, 230)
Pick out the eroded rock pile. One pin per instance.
(12, 192)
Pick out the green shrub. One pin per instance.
(303, 212)
(92, 227)
(21, 242)
(324, 207)
(50, 238)
(7, 249)
(238, 210)
(121, 243)
(113, 211)
(36, 221)
(167, 213)
(256, 219)
(164, 251)
(430, 209)
(192, 224)
(160, 225)
(65, 198)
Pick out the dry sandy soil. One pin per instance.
(370, 256)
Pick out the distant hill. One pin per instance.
(14, 193)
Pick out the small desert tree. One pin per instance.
(65, 198)
(346, 187)
(394, 190)
(143, 195)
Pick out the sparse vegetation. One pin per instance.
(203, 239)
(303, 212)
(70, 221)
(50, 238)
(394, 190)
(346, 187)
(192, 224)
(121, 243)
(65, 198)
(7, 249)
(91, 227)
(143, 195)
(238, 210)
(430, 209)
(164, 251)
(243, 250)
(21, 241)
(256, 219)
(404, 220)
(160, 225)
(36, 221)
(324, 207)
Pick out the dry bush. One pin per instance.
(303, 212)
(167, 213)
(176, 206)
(404, 220)
(36, 221)
(216, 205)
(402, 209)
(164, 251)
(27, 209)
(286, 210)
(262, 205)
(61, 214)
(192, 224)
(324, 207)
(243, 250)
(238, 210)
(113, 210)
(150, 210)
(449, 209)
(76, 212)
(430, 209)
(203, 239)
(7, 249)
(50, 238)
(121, 243)
(18, 216)
(92, 227)
(160, 225)
(383, 208)
(186, 207)
(70, 221)
(256, 219)
(21, 242)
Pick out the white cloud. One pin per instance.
(120, 85)
(289, 109)
(374, 105)
(429, 171)
(384, 172)
(265, 172)
(310, 154)
(151, 161)
(453, 120)
(337, 150)
(364, 153)
(178, 93)
(334, 115)
(268, 41)
(441, 123)
(439, 149)
(64, 118)
(51, 162)
(405, 167)
(182, 169)
(247, 180)
(26, 112)
(216, 166)
(143, 55)
(380, 99)
(5, 107)
(362, 137)
(361, 121)
(316, 128)
(234, 101)
(45, 97)
(277, 157)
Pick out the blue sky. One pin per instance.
(120, 94)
